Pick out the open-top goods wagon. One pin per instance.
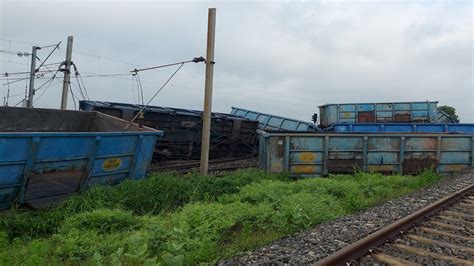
(315, 154)
(231, 136)
(274, 122)
(45, 155)
(393, 112)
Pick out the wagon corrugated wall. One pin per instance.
(274, 122)
(310, 154)
(466, 128)
(46, 155)
(395, 112)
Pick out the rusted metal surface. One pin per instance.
(363, 246)
(366, 117)
(417, 165)
(402, 118)
(344, 166)
(384, 169)
(45, 188)
(392, 112)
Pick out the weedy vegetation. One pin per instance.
(171, 219)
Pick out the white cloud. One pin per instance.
(283, 58)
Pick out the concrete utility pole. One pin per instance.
(206, 119)
(31, 89)
(67, 71)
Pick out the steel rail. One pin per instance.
(363, 246)
(220, 164)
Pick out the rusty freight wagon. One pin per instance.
(231, 136)
(46, 155)
(315, 154)
(274, 122)
(393, 112)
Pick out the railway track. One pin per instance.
(215, 166)
(441, 233)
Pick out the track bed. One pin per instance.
(324, 239)
(441, 233)
(215, 166)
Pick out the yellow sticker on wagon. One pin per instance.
(111, 164)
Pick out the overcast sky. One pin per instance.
(284, 58)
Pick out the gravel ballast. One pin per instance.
(326, 238)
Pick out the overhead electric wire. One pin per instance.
(47, 46)
(47, 57)
(195, 60)
(40, 87)
(78, 87)
(73, 96)
(140, 86)
(76, 74)
(45, 89)
(9, 52)
(153, 97)
(24, 72)
(11, 82)
(15, 95)
(51, 78)
(24, 98)
(108, 59)
(9, 40)
(133, 90)
(84, 86)
(117, 75)
(81, 94)
(100, 57)
(105, 75)
(13, 62)
(50, 64)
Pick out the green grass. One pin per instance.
(159, 193)
(170, 219)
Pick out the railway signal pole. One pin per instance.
(206, 119)
(67, 72)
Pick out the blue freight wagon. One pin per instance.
(393, 112)
(316, 154)
(46, 155)
(463, 128)
(273, 122)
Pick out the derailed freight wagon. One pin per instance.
(46, 155)
(393, 112)
(316, 154)
(231, 136)
(274, 122)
